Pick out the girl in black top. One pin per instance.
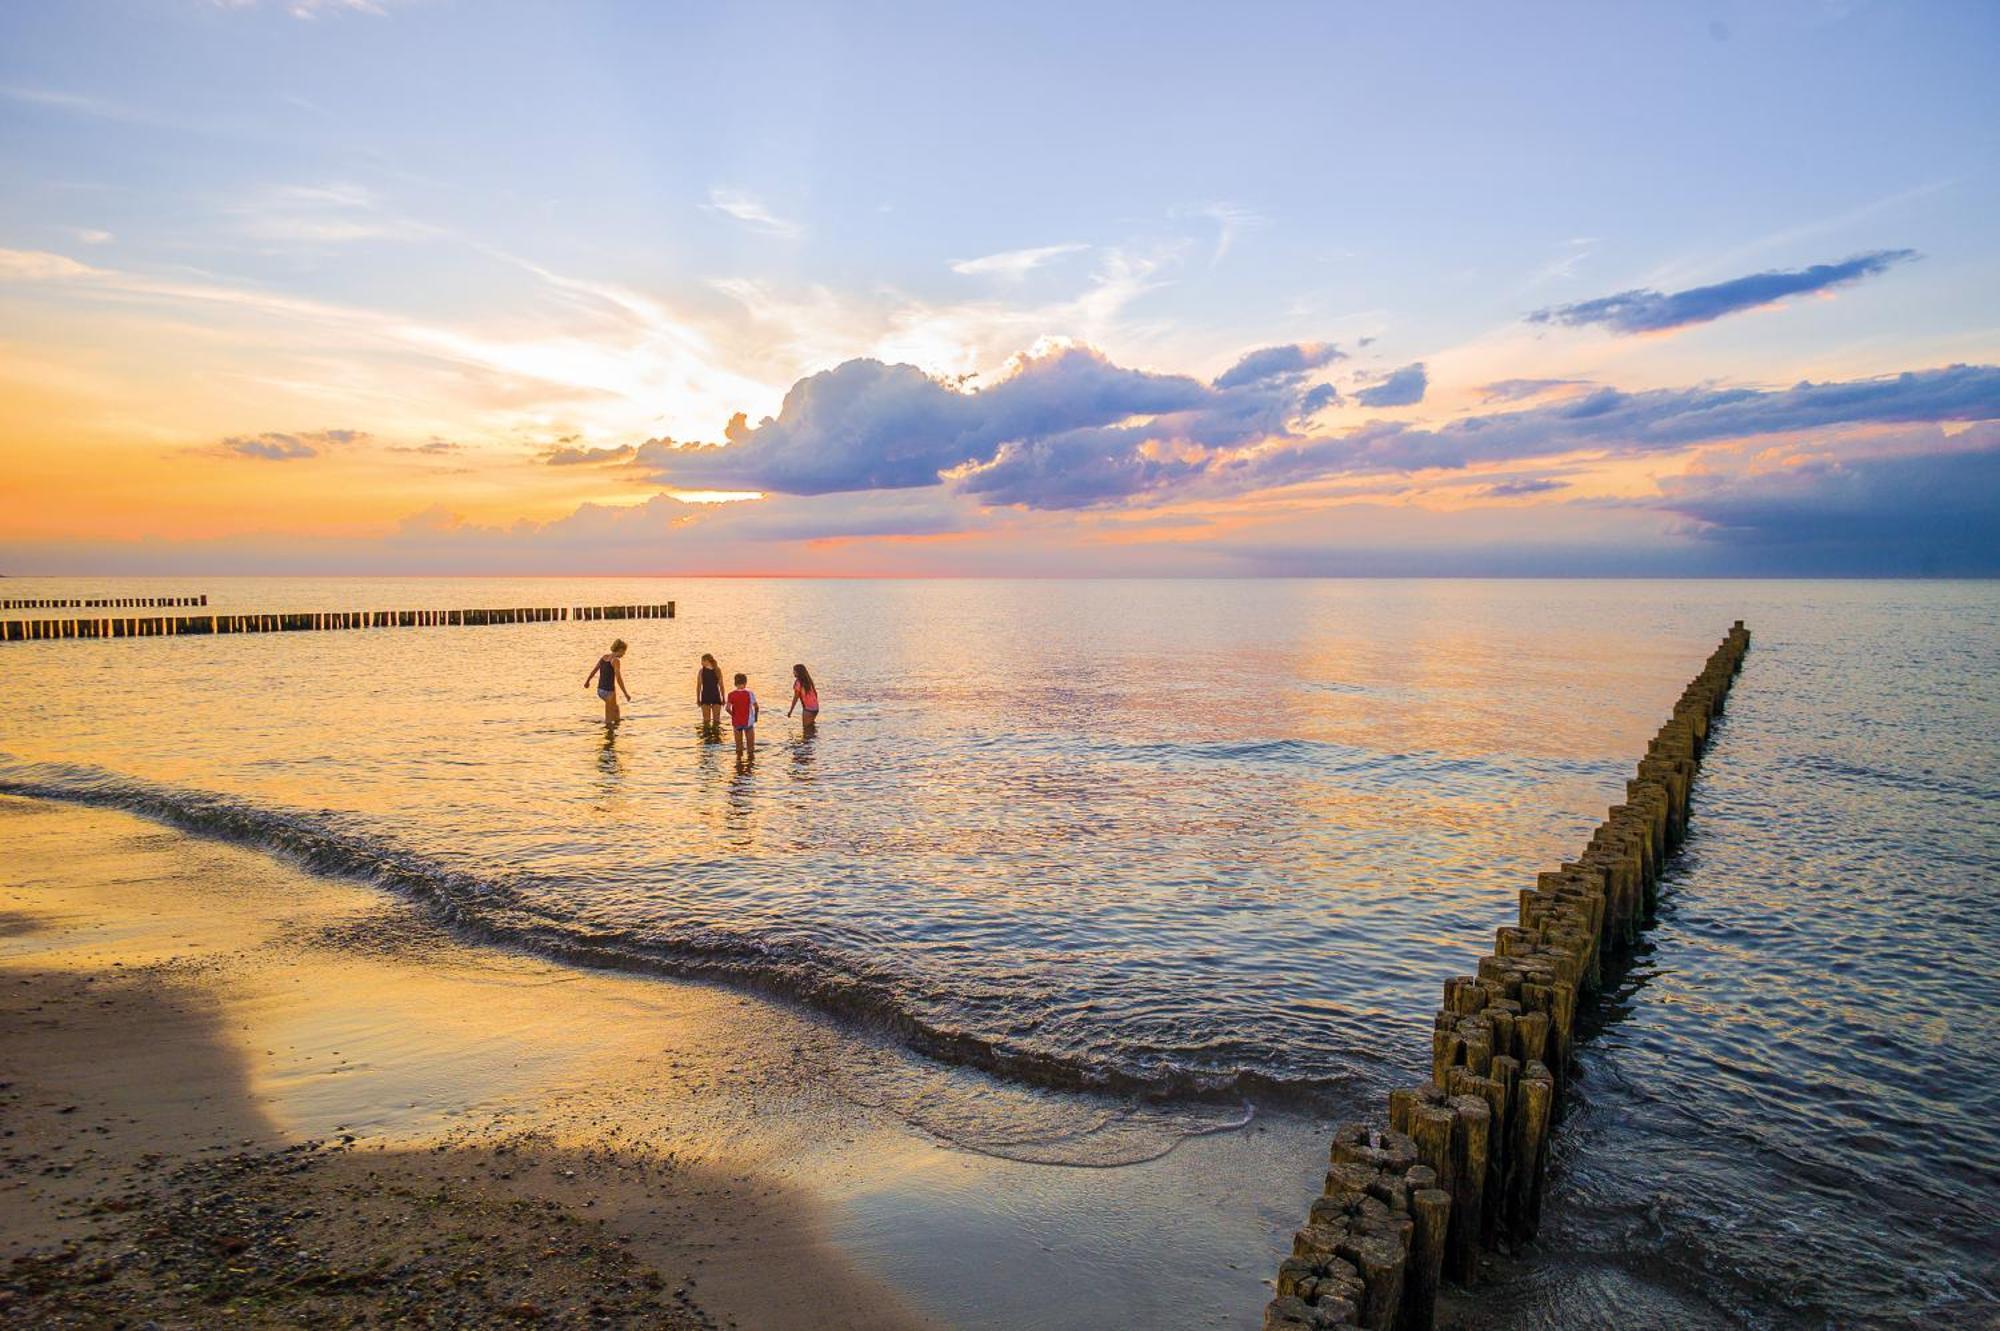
(708, 694)
(609, 676)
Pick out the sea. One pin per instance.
(1202, 850)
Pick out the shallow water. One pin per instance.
(1210, 844)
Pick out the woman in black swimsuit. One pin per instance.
(609, 675)
(708, 695)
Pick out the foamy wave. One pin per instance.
(498, 910)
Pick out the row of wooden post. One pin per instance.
(155, 626)
(1460, 1161)
(106, 603)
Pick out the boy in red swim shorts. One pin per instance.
(743, 717)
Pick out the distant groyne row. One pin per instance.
(1459, 1164)
(158, 626)
(108, 603)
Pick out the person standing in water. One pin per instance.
(804, 694)
(743, 716)
(609, 672)
(708, 695)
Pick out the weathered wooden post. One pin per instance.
(1470, 1123)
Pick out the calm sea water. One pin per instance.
(1204, 848)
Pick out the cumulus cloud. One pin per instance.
(277, 446)
(1643, 310)
(1935, 513)
(1270, 362)
(1067, 428)
(590, 457)
(865, 425)
(1318, 398)
(1403, 388)
(1013, 265)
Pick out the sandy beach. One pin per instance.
(229, 1096)
(210, 1113)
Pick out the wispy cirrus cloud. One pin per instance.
(41, 266)
(1231, 221)
(330, 213)
(1013, 265)
(1520, 390)
(818, 326)
(1643, 310)
(752, 213)
(310, 9)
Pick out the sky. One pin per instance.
(434, 286)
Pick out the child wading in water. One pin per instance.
(805, 695)
(708, 695)
(743, 716)
(609, 672)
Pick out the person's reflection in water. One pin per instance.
(610, 768)
(738, 810)
(803, 754)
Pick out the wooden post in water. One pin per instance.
(1501, 1044)
(1470, 1123)
(130, 626)
(1430, 1209)
(1535, 1093)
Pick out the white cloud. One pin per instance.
(600, 355)
(1231, 220)
(1013, 265)
(752, 213)
(798, 331)
(310, 9)
(331, 213)
(41, 266)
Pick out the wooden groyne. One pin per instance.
(159, 626)
(1457, 1164)
(107, 603)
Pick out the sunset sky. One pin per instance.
(436, 286)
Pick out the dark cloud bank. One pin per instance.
(1926, 515)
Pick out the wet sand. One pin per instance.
(213, 1109)
(236, 1086)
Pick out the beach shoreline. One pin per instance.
(157, 1174)
(190, 1019)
